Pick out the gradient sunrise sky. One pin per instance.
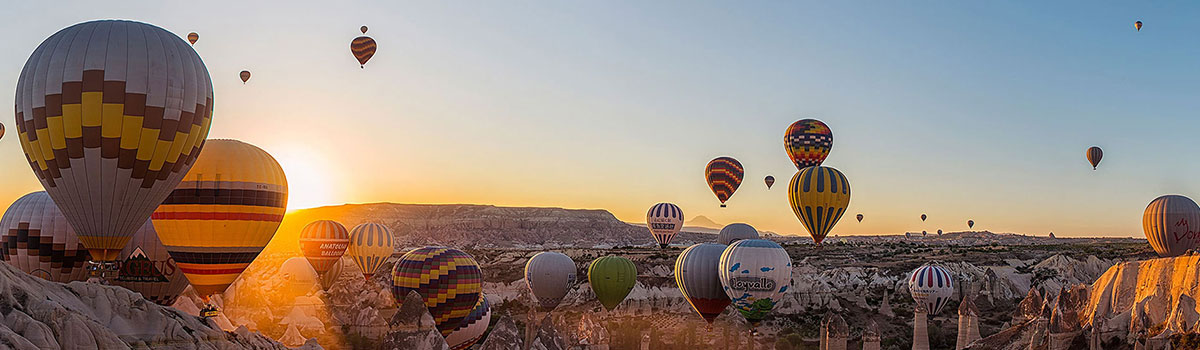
(962, 110)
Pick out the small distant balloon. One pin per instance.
(1093, 156)
(923, 217)
(192, 37)
(970, 223)
(1, 131)
(245, 76)
(860, 217)
(363, 29)
(664, 221)
(770, 180)
(1137, 25)
(939, 232)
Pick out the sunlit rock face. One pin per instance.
(413, 328)
(38, 314)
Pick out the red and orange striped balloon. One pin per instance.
(724, 175)
(363, 48)
(323, 243)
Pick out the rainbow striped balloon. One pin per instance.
(808, 142)
(448, 279)
(724, 175)
(931, 287)
(471, 330)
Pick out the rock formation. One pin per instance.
(870, 337)
(413, 328)
(504, 336)
(968, 323)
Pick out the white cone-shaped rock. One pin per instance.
(920, 331)
(413, 327)
(504, 336)
(968, 323)
(837, 334)
(292, 337)
(870, 336)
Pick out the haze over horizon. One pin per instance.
(959, 110)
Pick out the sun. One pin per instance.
(308, 185)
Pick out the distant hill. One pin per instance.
(702, 221)
(469, 225)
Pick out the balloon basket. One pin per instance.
(209, 311)
(101, 271)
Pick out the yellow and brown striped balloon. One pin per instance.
(111, 115)
(819, 196)
(370, 245)
(217, 221)
(192, 37)
(363, 48)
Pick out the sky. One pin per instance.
(960, 110)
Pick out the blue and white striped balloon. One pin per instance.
(931, 287)
(664, 221)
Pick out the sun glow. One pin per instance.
(308, 183)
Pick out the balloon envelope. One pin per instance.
(147, 268)
(611, 278)
(807, 142)
(819, 196)
(724, 175)
(754, 274)
(550, 275)
(1137, 25)
(923, 217)
(698, 280)
(860, 217)
(664, 221)
(39, 241)
(363, 48)
(448, 279)
(1167, 223)
(472, 328)
(370, 245)
(736, 232)
(363, 29)
(111, 114)
(223, 214)
(193, 37)
(931, 287)
(245, 75)
(1094, 154)
(323, 243)
(769, 180)
(970, 223)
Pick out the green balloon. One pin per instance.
(612, 277)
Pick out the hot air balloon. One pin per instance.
(550, 275)
(664, 221)
(245, 75)
(807, 142)
(755, 273)
(769, 180)
(611, 278)
(363, 29)
(698, 280)
(970, 223)
(724, 175)
(370, 245)
(300, 277)
(1093, 156)
(859, 217)
(148, 268)
(323, 243)
(471, 330)
(931, 288)
(819, 196)
(1137, 25)
(39, 241)
(1167, 223)
(924, 233)
(1, 131)
(939, 232)
(193, 37)
(111, 114)
(923, 217)
(448, 279)
(336, 270)
(735, 232)
(223, 214)
(363, 48)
